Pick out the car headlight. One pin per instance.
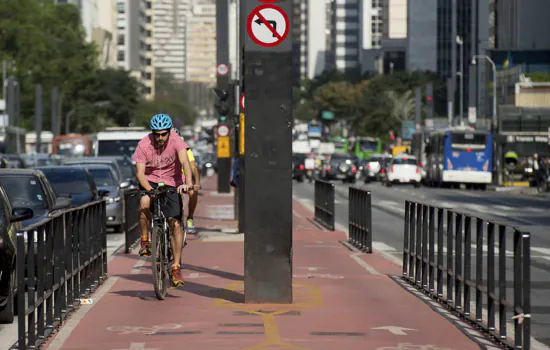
(113, 200)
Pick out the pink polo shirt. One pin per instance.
(161, 166)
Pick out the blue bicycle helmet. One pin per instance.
(161, 122)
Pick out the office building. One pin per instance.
(200, 42)
(88, 12)
(169, 18)
(345, 34)
(104, 34)
(135, 41)
(394, 36)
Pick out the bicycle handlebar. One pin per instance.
(159, 191)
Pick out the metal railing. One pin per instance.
(360, 219)
(324, 204)
(59, 261)
(438, 255)
(131, 219)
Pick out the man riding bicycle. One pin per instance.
(159, 159)
(193, 198)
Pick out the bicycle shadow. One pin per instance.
(198, 289)
(219, 273)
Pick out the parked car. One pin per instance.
(10, 222)
(298, 167)
(106, 181)
(12, 161)
(341, 167)
(75, 182)
(404, 168)
(29, 188)
(119, 175)
(127, 168)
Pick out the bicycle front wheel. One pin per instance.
(159, 262)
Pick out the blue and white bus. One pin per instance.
(459, 155)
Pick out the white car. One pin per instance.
(404, 169)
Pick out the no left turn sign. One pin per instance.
(267, 25)
(223, 69)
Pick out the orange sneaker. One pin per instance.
(177, 278)
(145, 249)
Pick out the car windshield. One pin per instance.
(126, 168)
(24, 191)
(368, 146)
(117, 147)
(68, 180)
(102, 177)
(404, 161)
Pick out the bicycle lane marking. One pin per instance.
(72, 323)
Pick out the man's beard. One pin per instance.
(158, 146)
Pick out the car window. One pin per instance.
(404, 161)
(24, 191)
(126, 168)
(102, 177)
(68, 180)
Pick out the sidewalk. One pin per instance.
(342, 300)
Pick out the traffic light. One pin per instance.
(224, 104)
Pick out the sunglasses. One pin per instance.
(160, 134)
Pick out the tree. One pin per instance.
(337, 97)
(539, 77)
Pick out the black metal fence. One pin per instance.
(438, 255)
(324, 204)
(131, 219)
(360, 219)
(59, 261)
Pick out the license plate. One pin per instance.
(404, 180)
(340, 176)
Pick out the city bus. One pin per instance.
(459, 155)
(341, 144)
(118, 141)
(72, 145)
(364, 147)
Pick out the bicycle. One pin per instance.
(161, 250)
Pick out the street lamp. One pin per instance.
(461, 73)
(495, 124)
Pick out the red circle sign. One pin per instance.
(242, 101)
(223, 130)
(268, 25)
(223, 69)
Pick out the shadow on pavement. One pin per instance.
(190, 287)
(223, 274)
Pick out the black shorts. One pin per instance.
(172, 206)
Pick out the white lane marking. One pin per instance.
(363, 264)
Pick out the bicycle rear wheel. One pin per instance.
(159, 263)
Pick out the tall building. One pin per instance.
(372, 25)
(104, 35)
(394, 36)
(346, 34)
(200, 42)
(169, 37)
(135, 41)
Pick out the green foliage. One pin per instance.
(170, 98)
(368, 105)
(539, 77)
(44, 43)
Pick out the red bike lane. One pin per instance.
(342, 300)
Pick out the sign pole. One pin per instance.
(268, 152)
(222, 70)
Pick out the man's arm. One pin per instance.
(196, 174)
(184, 160)
(140, 174)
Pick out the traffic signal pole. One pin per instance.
(222, 72)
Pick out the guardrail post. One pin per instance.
(422, 270)
(324, 204)
(360, 219)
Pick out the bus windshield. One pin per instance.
(116, 147)
(368, 146)
(468, 140)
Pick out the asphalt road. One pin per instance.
(8, 332)
(528, 213)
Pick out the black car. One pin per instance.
(340, 167)
(75, 182)
(298, 167)
(10, 222)
(30, 188)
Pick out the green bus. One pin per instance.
(341, 144)
(366, 146)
